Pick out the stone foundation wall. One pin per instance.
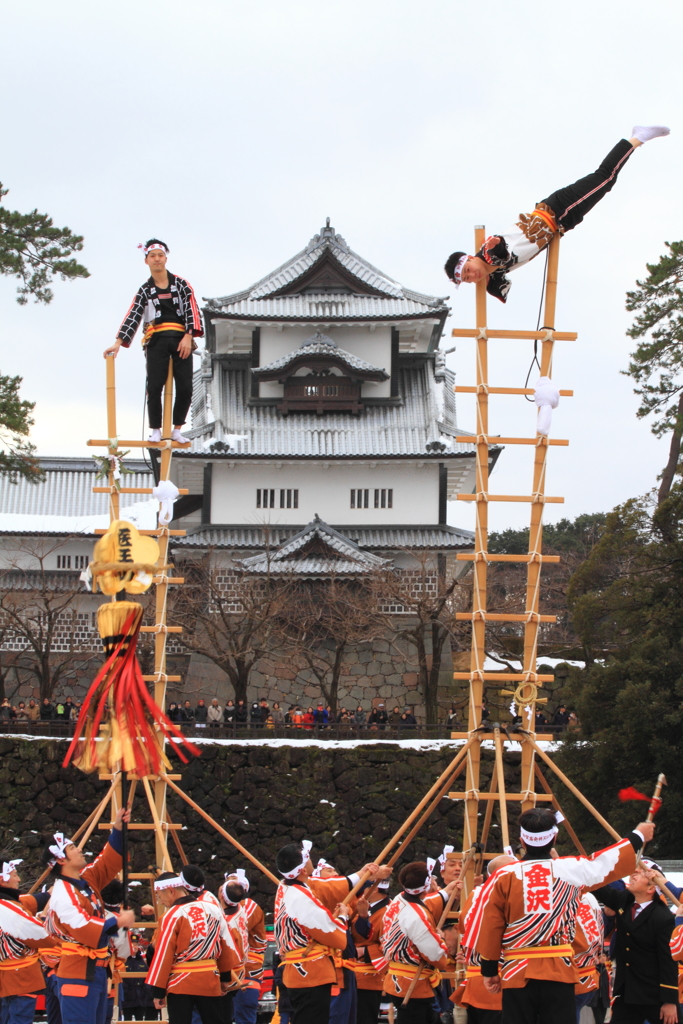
(348, 801)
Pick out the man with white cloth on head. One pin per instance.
(525, 919)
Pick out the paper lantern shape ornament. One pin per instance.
(124, 560)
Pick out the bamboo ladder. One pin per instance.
(526, 693)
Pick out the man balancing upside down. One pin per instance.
(167, 306)
(560, 212)
(525, 919)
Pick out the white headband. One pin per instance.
(169, 883)
(457, 273)
(8, 867)
(541, 838)
(431, 864)
(60, 845)
(443, 857)
(241, 877)
(306, 845)
(322, 863)
(226, 898)
(147, 249)
(186, 885)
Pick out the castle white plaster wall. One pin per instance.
(324, 488)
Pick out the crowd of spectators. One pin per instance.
(260, 715)
(33, 712)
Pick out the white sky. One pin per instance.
(231, 130)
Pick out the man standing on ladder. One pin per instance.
(168, 308)
(561, 211)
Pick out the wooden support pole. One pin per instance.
(111, 430)
(500, 773)
(226, 835)
(446, 777)
(165, 859)
(533, 584)
(528, 738)
(176, 840)
(160, 787)
(481, 544)
(94, 816)
(426, 813)
(488, 815)
(556, 805)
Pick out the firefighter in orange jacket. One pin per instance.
(76, 917)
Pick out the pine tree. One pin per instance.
(657, 363)
(17, 454)
(35, 251)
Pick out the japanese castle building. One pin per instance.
(322, 393)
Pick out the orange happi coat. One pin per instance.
(195, 950)
(527, 913)
(410, 938)
(371, 969)
(307, 936)
(21, 936)
(78, 920)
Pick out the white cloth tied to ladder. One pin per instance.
(547, 398)
(166, 492)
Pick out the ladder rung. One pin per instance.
(493, 439)
(485, 735)
(131, 490)
(512, 497)
(499, 617)
(148, 533)
(464, 557)
(473, 390)
(166, 629)
(473, 332)
(506, 677)
(132, 776)
(139, 826)
(169, 679)
(169, 579)
(495, 796)
(135, 444)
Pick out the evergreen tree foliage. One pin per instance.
(626, 601)
(17, 454)
(35, 251)
(657, 363)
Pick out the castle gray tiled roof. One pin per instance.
(343, 556)
(320, 345)
(390, 299)
(369, 538)
(422, 415)
(67, 489)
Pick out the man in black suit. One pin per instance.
(646, 982)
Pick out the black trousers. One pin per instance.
(475, 1015)
(367, 1011)
(160, 348)
(634, 1013)
(571, 203)
(310, 1005)
(539, 1002)
(212, 1009)
(140, 1013)
(418, 1011)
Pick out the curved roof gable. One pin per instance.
(326, 265)
(320, 350)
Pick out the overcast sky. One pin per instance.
(231, 130)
